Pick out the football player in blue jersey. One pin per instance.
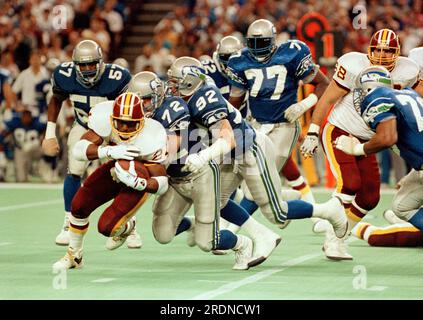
(396, 117)
(8, 97)
(271, 74)
(86, 81)
(215, 68)
(26, 131)
(243, 153)
(200, 189)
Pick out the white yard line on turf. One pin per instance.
(30, 205)
(254, 278)
(103, 280)
(28, 185)
(5, 243)
(258, 276)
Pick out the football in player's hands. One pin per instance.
(141, 170)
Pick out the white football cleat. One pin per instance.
(62, 238)
(134, 240)
(264, 244)
(391, 217)
(243, 254)
(115, 242)
(71, 260)
(337, 217)
(335, 248)
(321, 226)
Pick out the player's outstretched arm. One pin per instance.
(50, 144)
(225, 141)
(386, 136)
(296, 110)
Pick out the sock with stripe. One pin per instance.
(301, 186)
(396, 235)
(77, 230)
(354, 214)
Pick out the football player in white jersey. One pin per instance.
(416, 55)
(117, 130)
(358, 179)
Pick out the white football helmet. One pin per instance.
(225, 48)
(261, 35)
(88, 52)
(370, 78)
(186, 75)
(373, 77)
(150, 89)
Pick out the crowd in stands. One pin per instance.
(36, 36)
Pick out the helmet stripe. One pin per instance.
(127, 104)
(122, 105)
(384, 34)
(380, 36)
(131, 105)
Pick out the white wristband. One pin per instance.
(217, 149)
(359, 149)
(102, 152)
(50, 130)
(79, 151)
(310, 101)
(314, 128)
(163, 184)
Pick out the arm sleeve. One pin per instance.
(236, 77)
(303, 62)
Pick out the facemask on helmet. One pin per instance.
(150, 89)
(186, 75)
(224, 50)
(260, 39)
(88, 60)
(127, 118)
(384, 49)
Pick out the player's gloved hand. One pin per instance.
(121, 151)
(349, 145)
(311, 141)
(195, 162)
(296, 110)
(129, 177)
